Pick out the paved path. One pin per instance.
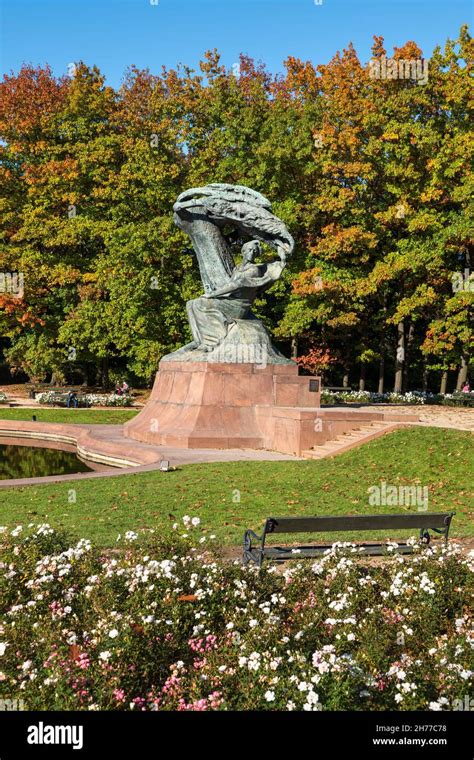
(100, 439)
(458, 418)
(109, 440)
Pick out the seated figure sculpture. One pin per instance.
(222, 317)
(210, 315)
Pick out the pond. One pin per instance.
(35, 462)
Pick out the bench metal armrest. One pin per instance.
(253, 553)
(447, 524)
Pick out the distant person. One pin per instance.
(72, 399)
(125, 388)
(118, 390)
(466, 388)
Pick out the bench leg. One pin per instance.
(253, 553)
(448, 525)
(425, 537)
(445, 531)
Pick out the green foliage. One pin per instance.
(371, 176)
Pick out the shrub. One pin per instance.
(368, 397)
(109, 399)
(459, 399)
(91, 399)
(167, 626)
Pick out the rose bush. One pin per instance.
(369, 397)
(167, 625)
(91, 399)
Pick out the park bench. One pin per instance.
(60, 399)
(256, 551)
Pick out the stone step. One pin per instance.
(328, 446)
(347, 441)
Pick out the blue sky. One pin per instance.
(114, 34)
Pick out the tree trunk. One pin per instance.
(408, 351)
(462, 374)
(381, 374)
(400, 358)
(425, 378)
(104, 372)
(362, 377)
(383, 345)
(444, 382)
(345, 378)
(294, 348)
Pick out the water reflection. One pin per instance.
(32, 462)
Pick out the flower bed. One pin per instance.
(169, 627)
(90, 399)
(412, 398)
(108, 399)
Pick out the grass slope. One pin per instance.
(230, 497)
(70, 416)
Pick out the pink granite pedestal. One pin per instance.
(224, 406)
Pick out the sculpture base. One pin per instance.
(246, 342)
(228, 406)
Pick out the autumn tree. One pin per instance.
(371, 175)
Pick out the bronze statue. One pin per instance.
(222, 317)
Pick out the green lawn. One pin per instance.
(84, 416)
(439, 459)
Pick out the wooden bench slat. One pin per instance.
(355, 522)
(287, 552)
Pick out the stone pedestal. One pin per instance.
(228, 406)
